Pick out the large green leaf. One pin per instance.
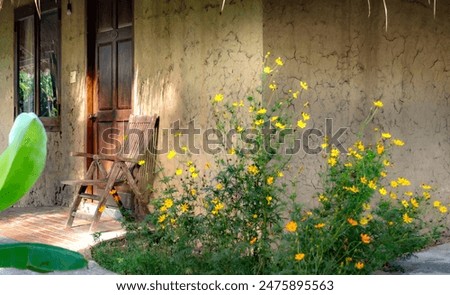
(23, 161)
(40, 257)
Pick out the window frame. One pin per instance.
(51, 124)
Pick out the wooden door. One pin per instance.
(110, 54)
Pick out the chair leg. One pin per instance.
(74, 207)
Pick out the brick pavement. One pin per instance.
(47, 225)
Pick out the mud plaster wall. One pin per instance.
(6, 73)
(349, 61)
(186, 52)
(48, 190)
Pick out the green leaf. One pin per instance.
(40, 257)
(23, 161)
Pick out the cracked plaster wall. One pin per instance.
(186, 52)
(349, 61)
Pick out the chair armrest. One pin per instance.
(78, 154)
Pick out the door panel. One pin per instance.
(124, 75)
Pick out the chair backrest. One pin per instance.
(140, 141)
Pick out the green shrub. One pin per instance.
(238, 215)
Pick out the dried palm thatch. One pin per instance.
(36, 2)
(369, 8)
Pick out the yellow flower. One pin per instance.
(409, 194)
(253, 169)
(218, 97)
(274, 118)
(322, 198)
(251, 109)
(426, 195)
(407, 219)
(378, 103)
(393, 195)
(193, 192)
(363, 180)
(359, 265)
(278, 61)
(279, 125)
(255, 216)
(352, 221)
(179, 171)
(189, 163)
(364, 221)
(366, 206)
(305, 116)
(171, 154)
(365, 238)
(231, 151)
(319, 225)
(291, 226)
(280, 174)
(299, 256)
(184, 208)
(239, 129)
(273, 86)
(436, 204)
(443, 209)
(261, 111)
(192, 169)
(380, 148)
(163, 208)
(335, 153)
(304, 85)
(168, 203)
(270, 180)
(405, 203)
(101, 209)
(161, 218)
(414, 203)
(184, 148)
(403, 181)
(372, 184)
(359, 145)
(252, 241)
(383, 174)
(141, 162)
(398, 142)
(332, 162)
(219, 186)
(348, 164)
(394, 183)
(386, 135)
(383, 191)
(267, 70)
(259, 122)
(425, 186)
(295, 94)
(352, 189)
(219, 206)
(301, 124)
(348, 259)
(386, 163)
(267, 55)
(194, 175)
(269, 200)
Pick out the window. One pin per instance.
(37, 56)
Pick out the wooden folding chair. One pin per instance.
(134, 166)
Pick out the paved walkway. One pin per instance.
(47, 225)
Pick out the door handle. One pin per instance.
(92, 116)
